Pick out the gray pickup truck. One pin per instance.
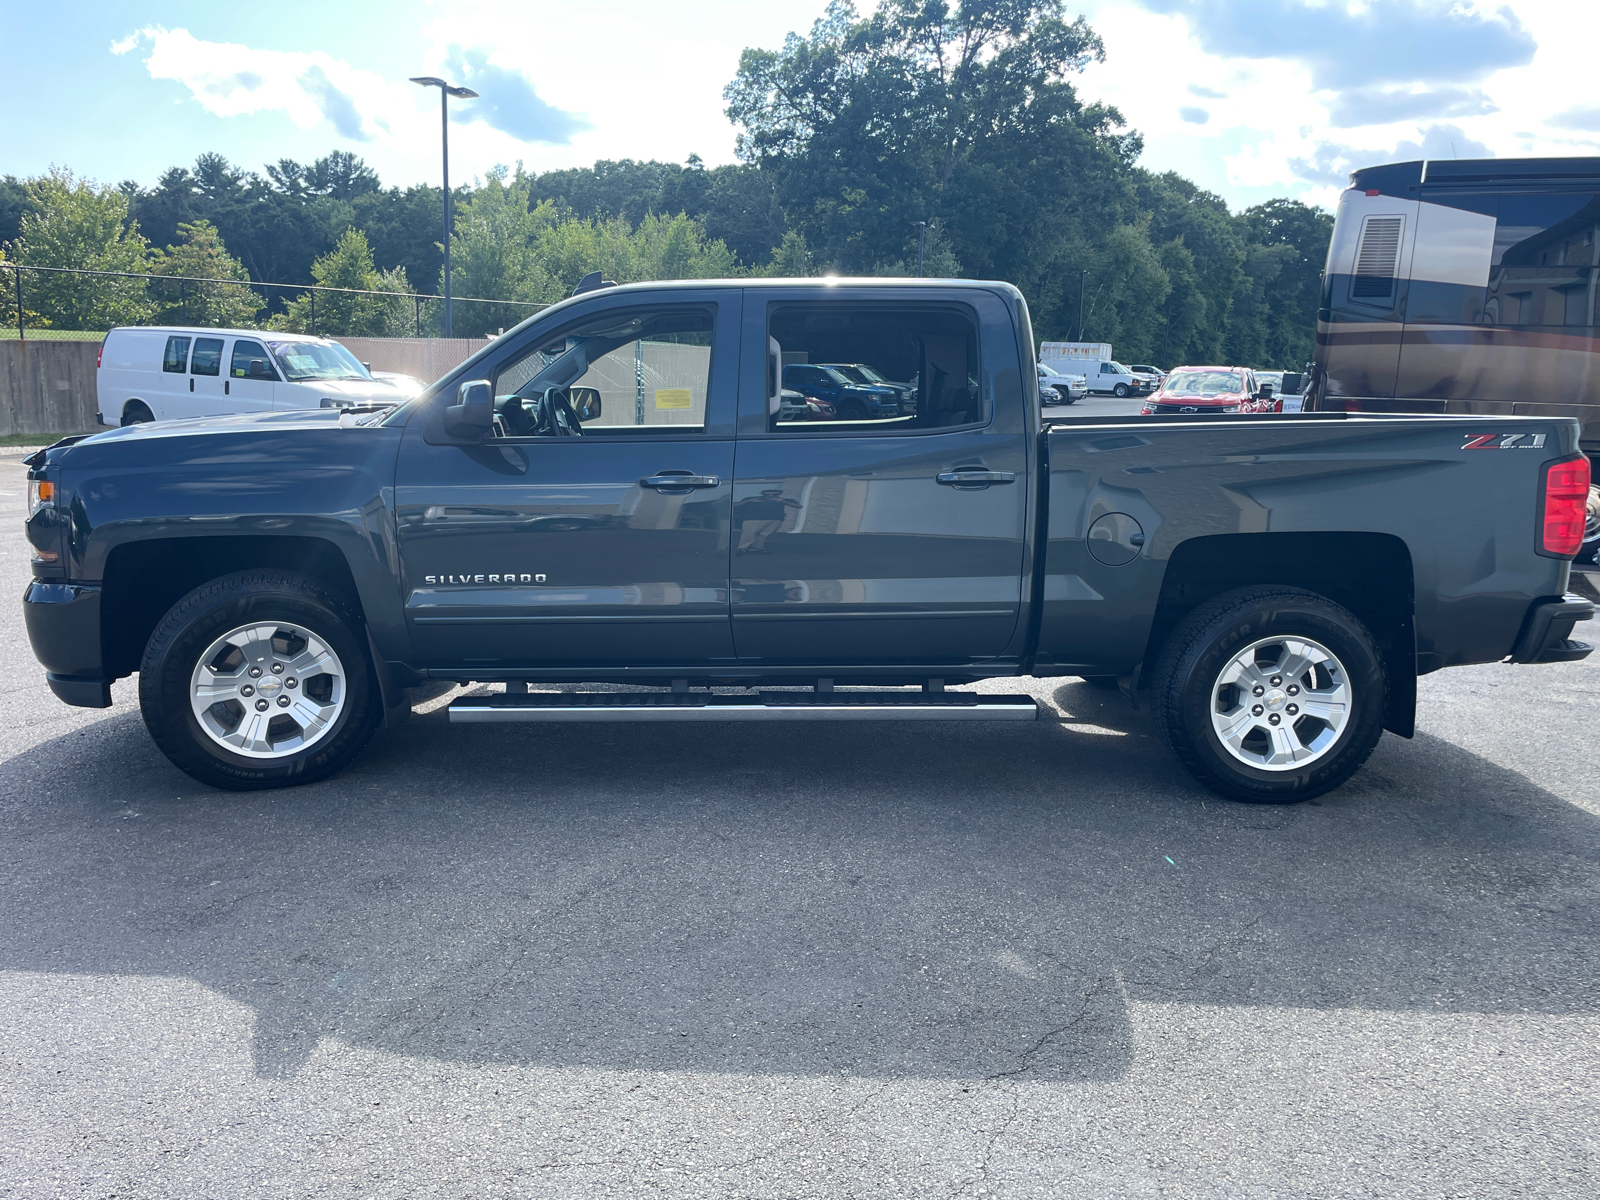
(614, 493)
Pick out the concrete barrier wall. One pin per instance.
(426, 358)
(47, 387)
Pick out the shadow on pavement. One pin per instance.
(883, 900)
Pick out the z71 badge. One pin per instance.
(1504, 441)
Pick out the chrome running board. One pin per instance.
(766, 706)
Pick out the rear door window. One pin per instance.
(207, 357)
(874, 367)
(176, 357)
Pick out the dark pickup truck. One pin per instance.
(613, 494)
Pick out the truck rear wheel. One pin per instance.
(257, 680)
(1270, 695)
(137, 414)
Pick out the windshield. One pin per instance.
(317, 360)
(1119, 369)
(1204, 383)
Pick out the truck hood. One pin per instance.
(243, 423)
(356, 390)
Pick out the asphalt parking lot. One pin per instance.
(834, 961)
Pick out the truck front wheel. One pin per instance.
(1120, 391)
(259, 679)
(1271, 695)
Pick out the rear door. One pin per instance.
(169, 394)
(887, 540)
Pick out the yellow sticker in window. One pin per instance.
(674, 398)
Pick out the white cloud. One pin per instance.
(309, 87)
(1274, 130)
(599, 79)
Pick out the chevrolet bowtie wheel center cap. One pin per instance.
(1280, 703)
(268, 690)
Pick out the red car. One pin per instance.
(1212, 389)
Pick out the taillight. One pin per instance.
(1566, 500)
(98, 355)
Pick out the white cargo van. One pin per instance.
(167, 374)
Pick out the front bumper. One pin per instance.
(1545, 633)
(63, 621)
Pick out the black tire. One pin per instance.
(137, 414)
(1202, 645)
(214, 608)
(853, 412)
(1120, 391)
(1104, 683)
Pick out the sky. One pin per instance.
(1252, 99)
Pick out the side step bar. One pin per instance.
(766, 706)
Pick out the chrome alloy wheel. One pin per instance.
(1280, 703)
(268, 690)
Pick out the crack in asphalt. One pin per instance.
(1082, 1014)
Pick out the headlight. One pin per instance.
(40, 493)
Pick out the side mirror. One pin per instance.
(472, 415)
(585, 402)
(1265, 393)
(258, 369)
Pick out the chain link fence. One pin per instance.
(78, 304)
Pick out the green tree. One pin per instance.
(201, 255)
(928, 110)
(349, 265)
(76, 223)
(1289, 299)
(494, 255)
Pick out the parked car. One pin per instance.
(409, 386)
(793, 406)
(853, 401)
(1212, 389)
(868, 377)
(1145, 373)
(279, 580)
(1115, 378)
(165, 373)
(1065, 389)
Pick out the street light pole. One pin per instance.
(1083, 278)
(922, 245)
(445, 92)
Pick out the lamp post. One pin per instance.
(1083, 278)
(922, 244)
(445, 92)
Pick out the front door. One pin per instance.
(881, 541)
(572, 537)
(251, 378)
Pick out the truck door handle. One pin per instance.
(679, 481)
(974, 479)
